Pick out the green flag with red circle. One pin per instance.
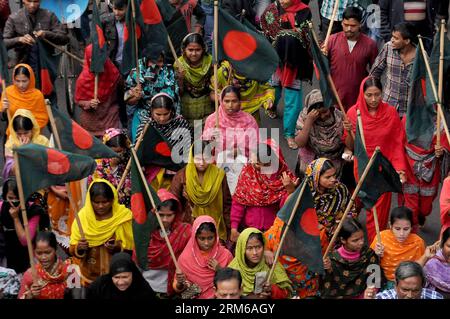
(3, 62)
(41, 167)
(248, 51)
(76, 139)
(48, 71)
(302, 240)
(99, 49)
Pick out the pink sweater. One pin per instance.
(253, 216)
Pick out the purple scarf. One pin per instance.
(437, 273)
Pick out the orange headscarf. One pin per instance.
(32, 99)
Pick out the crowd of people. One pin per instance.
(219, 210)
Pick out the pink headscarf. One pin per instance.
(235, 128)
(194, 262)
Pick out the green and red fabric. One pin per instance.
(144, 220)
(41, 167)
(48, 63)
(248, 51)
(99, 49)
(77, 140)
(3, 62)
(434, 65)
(302, 240)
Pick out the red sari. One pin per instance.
(444, 202)
(384, 129)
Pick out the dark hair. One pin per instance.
(22, 123)
(445, 236)
(120, 140)
(401, 212)
(264, 153)
(163, 102)
(120, 4)
(231, 89)
(407, 269)
(326, 166)
(352, 13)
(21, 70)
(349, 227)
(48, 237)
(407, 30)
(227, 273)
(371, 81)
(171, 204)
(10, 185)
(101, 189)
(193, 38)
(206, 227)
(316, 106)
(258, 236)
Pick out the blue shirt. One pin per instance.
(328, 5)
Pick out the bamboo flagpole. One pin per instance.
(149, 194)
(441, 81)
(4, 90)
(25, 217)
(330, 26)
(69, 191)
(216, 47)
(73, 56)
(374, 209)
(136, 147)
(280, 245)
(433, 86)
(96, 87)
(136, 45)
(352, 200)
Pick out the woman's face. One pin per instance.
(446, 250)
(328, 179)
(120, 151)
(102, 206)
(24, 136)
(231, 103)
(285, 3)
(373, 97)
(123, 280)
(10, 196)
(324, 113)
(355, 242)
(401, 229)
(193, 52)
(253, 252)
(167, 216)
(21, 81)
(45, 254)
(205, 240)
(201, 163)
(161, 115)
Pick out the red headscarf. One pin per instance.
(289, 15)
(55, 283)
(384, 129)
(257, 189)
(194, 262)
(84, 90)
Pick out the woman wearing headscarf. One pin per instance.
(285, 24)
(22, 94)
(200, 259)
(124, 281)
(319, 132)
(381, 127)
(99, 114)
(107, 229)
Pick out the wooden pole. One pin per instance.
(433, 87)
(216, 47)
(136, 45)
(59, 146)
(73, 56)
(352, 200)
(330, 26)
(441, 81)
(25, 217)
(4, 91)
(149, 194)
(127, 168)
(96, 87)
(374, 209)
(280, 245)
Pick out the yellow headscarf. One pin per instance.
(97, 232)
(13, 140)
(206, 196)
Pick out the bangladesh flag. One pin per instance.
(48, 62)
(3, 62)
(99, 50)
(434, 65)
(420, 115)
(302, 240)
(381, 178)
(76, 139)
(155, 149)
(322, 70)
(144, 220)
(250, 53)
(42, 167)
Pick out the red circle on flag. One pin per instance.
(150, 12)
(81, 138)
(125, 34)
(163, 149)
(101, 37)
(57, 162)
(46, 82)
(138, 208)
(138, 32)
(239, 45)
(309, 222)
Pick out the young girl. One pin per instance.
(200, 259)
(51, 271)
(346, 268)
(249, 260)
